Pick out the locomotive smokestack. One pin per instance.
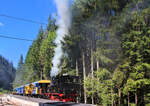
(64, 23)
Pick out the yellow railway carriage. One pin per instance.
(40, 86)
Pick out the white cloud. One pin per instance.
(1, 24)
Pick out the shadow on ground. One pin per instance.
(61, 104)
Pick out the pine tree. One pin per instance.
(20, 64)
(33, 61)
(7, 74)
(136, 48)
(46, 54)
(19, 73)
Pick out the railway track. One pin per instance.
(16, 100)
(45, 102)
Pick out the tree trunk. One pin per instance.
(112, 100)
(137, 7)
(92, 71)
(93, 99)
(41, 75)
(128, 99)
(77, 69)
(119, 94)
(143, 2)
(97, 64)
(136, 98)
(80, 92)
(142, 98)
(92, 64)
(77, 74)
(84, 76)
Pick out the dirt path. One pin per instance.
(4, 101)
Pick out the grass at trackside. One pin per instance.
(2, 91)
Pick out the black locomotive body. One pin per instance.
(64, 88)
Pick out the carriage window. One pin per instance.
(44, 87)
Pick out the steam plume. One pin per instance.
(63, 22)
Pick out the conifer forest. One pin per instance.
(107, 46)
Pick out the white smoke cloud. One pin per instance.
(64, 23)
(1, 24)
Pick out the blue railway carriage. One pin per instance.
(19, 90)
(33, 89)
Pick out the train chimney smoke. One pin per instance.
(64, 23)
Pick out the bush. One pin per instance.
(2, 91)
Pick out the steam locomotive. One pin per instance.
(60, 88)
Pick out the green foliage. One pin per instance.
(136, 48)
(7, 74)
(104, 85)
(118, 33)
(118, 74)
(46, 54)
(3, 91)
(33, 60)
(100, 85)
(90, 84)
(38, 60)
(19, 73)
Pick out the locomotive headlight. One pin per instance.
(61, 95)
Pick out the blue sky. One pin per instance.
(37, 10)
